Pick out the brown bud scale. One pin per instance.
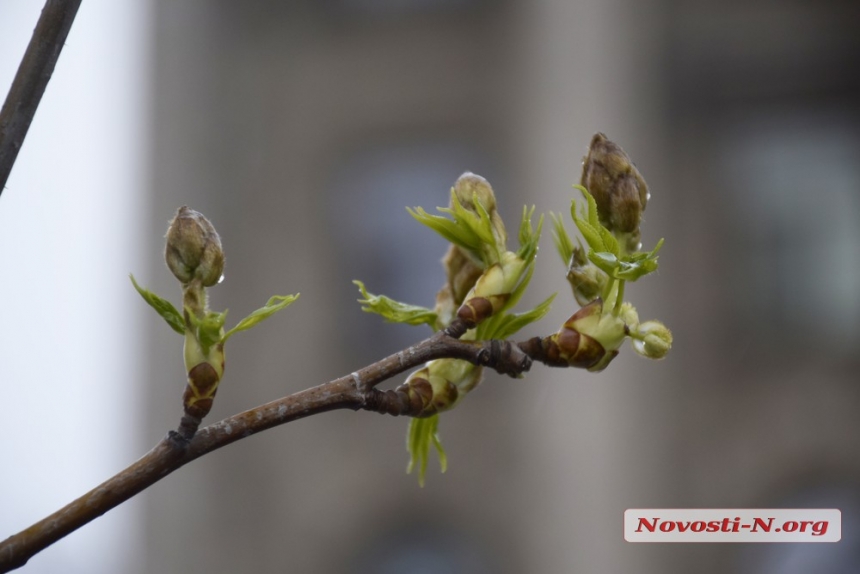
(475, 310)
(196, 406)
(204, 378)
(200, 391)
(579, 350)
(420, 392)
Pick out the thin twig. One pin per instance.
(354, 391)
(32, 78)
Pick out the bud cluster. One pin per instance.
(616, 195)
(483, 281)
(195, 257)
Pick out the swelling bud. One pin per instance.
(194, 249)
(586, 280)
(618, 189)
(470, 188)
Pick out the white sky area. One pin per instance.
(69, 319)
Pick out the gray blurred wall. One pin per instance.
(303, 130)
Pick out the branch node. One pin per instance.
(509, 359)
(395, 402)
(359, 384)
(456, 329)
(176, 441)
(188, 426)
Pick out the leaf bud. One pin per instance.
(440, 385)
(590, 339)
(492, 290)
(462, 273)
(470, 187)
(194, 248)
(200, 390)
(435, 393)
(586, 280)
(618, 188)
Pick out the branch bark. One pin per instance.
(356, 391)
(32, 78)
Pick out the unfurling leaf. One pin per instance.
(274, 305)
(210, 329)
(562, 240)
(505, 325)
(529, 236)
(163, 307)
(422, 435)
(394, 311)
(473, 230)
(605, 261)
(598, 237)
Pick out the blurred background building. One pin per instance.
(303, 129)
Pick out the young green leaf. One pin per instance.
(394, 311)
(479, 222)
(464, 237)
(598, 237)
(605, 261)
(591, 209)
(563, 243)
(274, 305)
(609, 241)
(422, 435)
(590, 233)
(470, 230)
(638, 265)
(653, 253)
(163, 307)
(507, 324)
(528, 236)
(210, 329)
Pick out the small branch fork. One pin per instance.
(356, 391)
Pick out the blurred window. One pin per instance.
(792, 181)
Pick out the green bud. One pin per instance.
(440, 385)
(194, 249)
(652, 339)
(618, 188)
(586, 280)
(205, 368)
(590, 339)
(492, 290)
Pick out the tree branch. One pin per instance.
(32, 78)
(355, 391)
